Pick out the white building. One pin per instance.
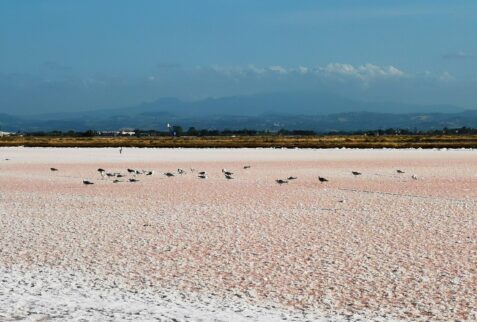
(130, 133)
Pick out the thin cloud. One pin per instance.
(365, 72)
(446, 77)
(460, 55)
(278, 69)
(56, 66)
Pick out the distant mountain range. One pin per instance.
(321, 112)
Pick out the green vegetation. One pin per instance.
(194, 138)
(252, 141)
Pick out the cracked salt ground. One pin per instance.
(379, 246)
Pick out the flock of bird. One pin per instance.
(118, 176)
(322, 179)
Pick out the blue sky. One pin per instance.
(102, 54)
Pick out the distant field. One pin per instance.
(354, 141)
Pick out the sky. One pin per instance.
(65, 55)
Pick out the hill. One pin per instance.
(320, 112)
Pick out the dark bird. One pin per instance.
(110, 174)
(292, 178)
(203, 173)
(149, 173)
(280, 181)
(87, 182)
(322, 179)
(131, 171)
(53, 169)
(224, 171)
(228, 177)
(246, 167)
(119, 175)
(356, 173)
(116, 181)
(168, 174)
(133, 180)
(202, 176)
(102, 172)
(399, 171)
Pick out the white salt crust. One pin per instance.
(381, 245)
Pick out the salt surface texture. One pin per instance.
(380, 246)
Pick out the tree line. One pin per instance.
(178, 131)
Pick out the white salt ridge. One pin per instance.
(53, 295)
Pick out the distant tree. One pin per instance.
(177, 130)
(227, 132)
(303, 132)
(192, 131)
(89, 133)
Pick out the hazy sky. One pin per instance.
(63, 55)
